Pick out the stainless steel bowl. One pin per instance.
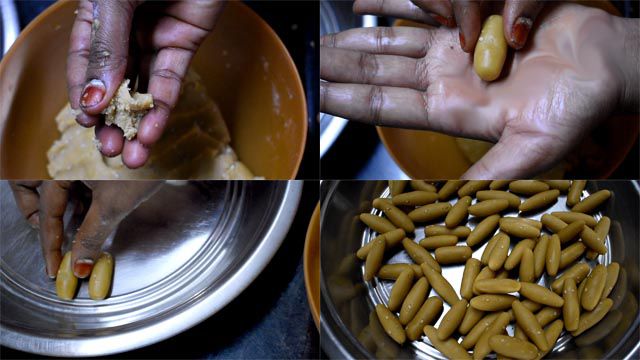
(180, 257)
(350, 328)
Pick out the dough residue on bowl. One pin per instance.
(195, 143)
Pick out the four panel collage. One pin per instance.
(320, 179)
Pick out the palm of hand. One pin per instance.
(548, 96)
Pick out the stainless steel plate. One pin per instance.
(348, 301)
(180, 257)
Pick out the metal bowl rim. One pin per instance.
(191, 316)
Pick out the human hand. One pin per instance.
(581, 65)
(112, 39)
(43, 204)
(518, 16)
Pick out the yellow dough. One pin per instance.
(195, 144)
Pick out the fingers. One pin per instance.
(395, 8)
(111, 139)
(78, 55)
(27, 199)
(134, 154)
(108, 52)
(440, 10)
(402, 41)
(112, 201)
(518, 18)
(516, 156)
(167, 71)
(87, 121)
(376, 105)
(346, 66)
(54, 197)
(469, 15)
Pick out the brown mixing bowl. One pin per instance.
(244, 66)
(420, 153)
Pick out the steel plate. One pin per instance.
(180, 257)
(350, 300)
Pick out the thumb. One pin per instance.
(110, 31)
(516, 156)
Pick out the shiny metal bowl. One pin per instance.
(350, 328)
(180, 257)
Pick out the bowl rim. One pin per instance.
(298, 87)
(312, 241)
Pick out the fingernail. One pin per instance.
(82, 268)
(93, 93)
(462, 42)
(49, 275)
(450, 22)
(520, 31)
(441, 19)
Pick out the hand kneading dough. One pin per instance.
(126, 110)
(195, 144)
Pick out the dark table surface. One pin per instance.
(271, 318)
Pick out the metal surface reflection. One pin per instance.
(180, 257)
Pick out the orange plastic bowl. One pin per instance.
(420, 154)
(244, 65)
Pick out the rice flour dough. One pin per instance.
(195, 144)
